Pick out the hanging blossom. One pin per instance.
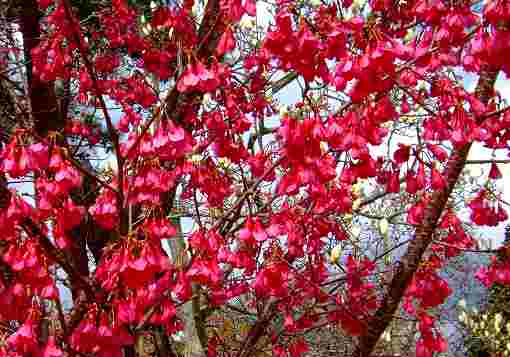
(267, 191)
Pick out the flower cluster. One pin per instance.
(225, 199)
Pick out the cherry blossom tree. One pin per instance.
(156, 144)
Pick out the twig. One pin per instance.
(54, 254)
(251, 190)
(114, 136)
(482, 162)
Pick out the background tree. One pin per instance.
(489, 328)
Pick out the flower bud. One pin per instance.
(383, 226)
(356, 188)
(223, 162)
(206, 99)
(336, 253)
(196, 159)
(497, 322)
(324, 146)
(355, 231)
(147, 29)
(246, 23)
(356, 204)
(386, 336)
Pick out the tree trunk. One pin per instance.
(191, 309)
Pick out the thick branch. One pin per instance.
(55, 255)
(423, 237)
(255, 333)
(48, 117)
(42, 95)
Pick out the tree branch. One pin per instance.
(58, 257)
(410, 261)
(114, 135)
